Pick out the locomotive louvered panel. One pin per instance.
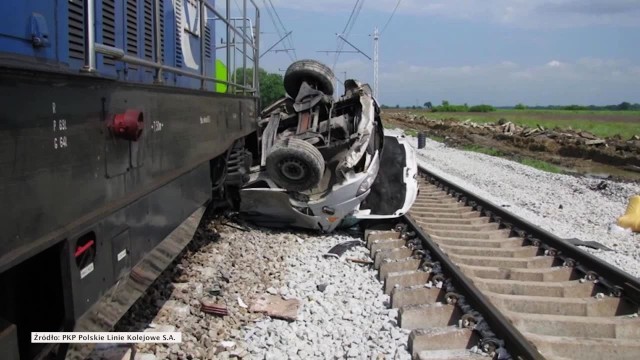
(109, 27)
(207, 41)
(179, 30)
(131, 33)
(148, 29)
(76, 29)
(161, 7)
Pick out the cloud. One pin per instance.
(591, 7)
(516, 13)
(586, 81)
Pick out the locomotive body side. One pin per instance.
(104, 172)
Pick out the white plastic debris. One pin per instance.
(242, 303)
(615, 229)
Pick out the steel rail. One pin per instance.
(517, 345)
(626, 284)
(515, 342)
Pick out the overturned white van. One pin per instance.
(326, 163)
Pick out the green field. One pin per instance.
(600, 123)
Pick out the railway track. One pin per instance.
(466, 275)
(468, 280)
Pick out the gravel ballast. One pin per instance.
(568, 206)
(343, 314)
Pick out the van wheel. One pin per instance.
(313, 72)
(295, 165)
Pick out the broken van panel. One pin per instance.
(326, 162)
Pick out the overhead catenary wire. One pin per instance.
(346, 26)
(290, 38)
(390, 17)
(353, 17)
(268, 6)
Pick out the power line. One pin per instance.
(338, 48)
(275, 25)
(390, 17)
(289, 40)
(350, 16)
(355, 12)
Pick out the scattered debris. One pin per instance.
(238, 227)
(225, 346)
(341, 248)
(594, 142)
(509, 128)
(615, 229)
(570, 148)
(322, 287)
(587, 135)
(560, 207)
(360, 261)
(590, 244)
(215, 290)
(173, 307)
(160, 328)
(242, 303)
(276, 307)
(272, 291)
(225, 276)
(209, 306)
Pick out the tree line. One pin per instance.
(623, 106)
(447, 107)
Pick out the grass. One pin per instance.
(411, 132)
(537, 164)
(436, 138)
(482, 150)
(624, 124)
(577, 112)
(540, 165)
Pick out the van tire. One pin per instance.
(313, 72)
(295, 165)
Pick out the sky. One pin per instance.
(499, 52)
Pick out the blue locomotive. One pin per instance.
(119, 120)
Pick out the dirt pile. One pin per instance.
(561, 146)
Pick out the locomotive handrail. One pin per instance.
(119, 54)
(93, 47)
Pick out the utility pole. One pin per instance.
(376, 39)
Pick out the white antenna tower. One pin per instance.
(376, 38)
